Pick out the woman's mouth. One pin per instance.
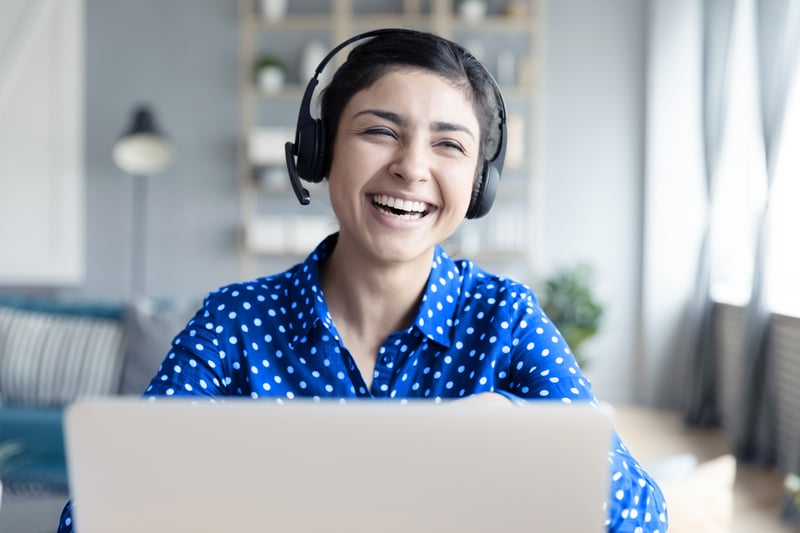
(405, 209)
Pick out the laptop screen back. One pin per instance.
(245, 465)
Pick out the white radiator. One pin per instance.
(784, 353)
(729, 350)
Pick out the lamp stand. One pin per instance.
(139, 236)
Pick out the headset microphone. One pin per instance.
(303, 196)
(307, 126)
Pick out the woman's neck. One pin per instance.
(372, 299)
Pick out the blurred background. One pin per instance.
(651, 175)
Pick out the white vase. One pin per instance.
(271, 79)
(472, 11)
(272, 9)
(313, 53)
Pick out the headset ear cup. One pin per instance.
(484, 191)
(309, 164)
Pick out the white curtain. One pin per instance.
(777, 45)
(675, 196)
(42, 183)
(700, 390)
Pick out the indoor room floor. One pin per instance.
(656, 435)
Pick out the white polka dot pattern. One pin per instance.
(475, 332)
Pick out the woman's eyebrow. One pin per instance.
(400, 121)
(388, 115)
(450, 126)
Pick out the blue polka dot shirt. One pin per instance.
(475, 332)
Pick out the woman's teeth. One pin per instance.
(406, 209)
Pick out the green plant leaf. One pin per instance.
(570, 303)
(267, 60)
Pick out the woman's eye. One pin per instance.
(451, 145)
(379, 131)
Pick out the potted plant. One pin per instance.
(570, 303)
(11, 457)
(270, 73)
(791, 501)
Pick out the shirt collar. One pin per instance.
(305, 290)
(437, 310)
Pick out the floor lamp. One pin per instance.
(141, 151)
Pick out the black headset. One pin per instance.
(306, 157)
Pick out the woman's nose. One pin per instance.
(412, 162)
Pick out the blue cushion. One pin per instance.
(106, 310)
(41, 432)
(40, 429)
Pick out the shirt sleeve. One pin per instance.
(195, 365)
(543, 367)
(65, 522)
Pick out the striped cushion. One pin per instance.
(52, 359)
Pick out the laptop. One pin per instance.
(175, 465)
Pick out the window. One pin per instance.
(741, 188)
(782, 283)
(740, 184)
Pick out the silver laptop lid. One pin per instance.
(244, 465)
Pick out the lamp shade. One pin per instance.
(142, 150)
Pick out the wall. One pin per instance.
(180, 57)
(593, 132)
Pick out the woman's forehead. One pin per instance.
(416, 88)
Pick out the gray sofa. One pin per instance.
(54, 352)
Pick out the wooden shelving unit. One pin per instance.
(510, 46)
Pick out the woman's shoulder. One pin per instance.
(478, 281)
(274, 287)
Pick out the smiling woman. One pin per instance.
(411, 142)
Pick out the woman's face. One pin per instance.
(403, 166)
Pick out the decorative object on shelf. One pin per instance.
(515, 152)
(472, 11)
(271, 179)
(270, 74)
(282, 234)
(313, 54)
(141, 151)
(265, 146)
(569, 301)
(517, 9)
(791, 500)
(272, 10)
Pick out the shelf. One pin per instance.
(292, 23)
(278, 234)
(492, 23)
(292, 91)
(388, 20)
(496, 23)
(274, 226)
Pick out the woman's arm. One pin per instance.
(542, 367)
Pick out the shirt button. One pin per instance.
(386, 359)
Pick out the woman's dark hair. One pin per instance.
(370, 60)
